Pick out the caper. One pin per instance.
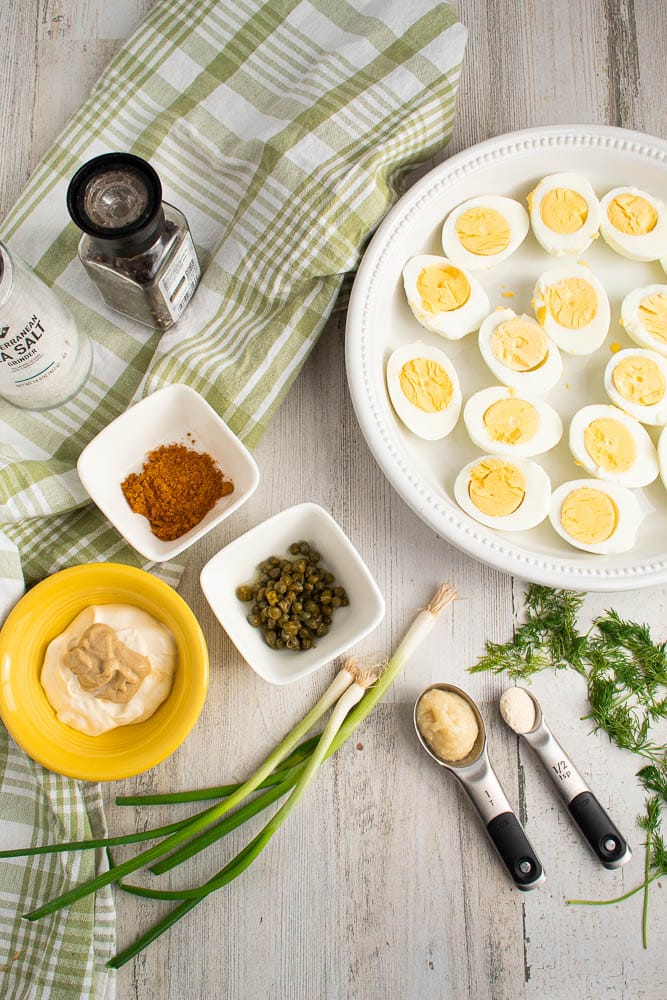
(270, 638)
(244, 593)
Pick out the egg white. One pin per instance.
(654, 415)
(564, 243)
(429, 426)
(645, 468)
(514, 214)
(650, 246)
(630, 516)
(538, 380)
(587, 338)
(456, 323)
(547, 436)
(633, 325)
(533, 509)
(662, 456)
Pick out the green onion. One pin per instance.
(220, 791)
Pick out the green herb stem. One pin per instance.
(227, 824)
(220, 791)
(83, 845)
(617, 899)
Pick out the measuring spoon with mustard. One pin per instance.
(451, 730)
(523, 714)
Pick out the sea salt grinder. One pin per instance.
(523, 714)
(44, 358)
(136, 248)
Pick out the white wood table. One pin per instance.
(382, 884)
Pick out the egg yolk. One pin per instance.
(610, 445)
(589, 516)
(631, 214)
(426, 385)
(639, 380)
(519, 344)
(653, 316)
(483, 231)
(563, 210)
(572, 302)
(443, 288)
(496, 487)
(511, 421)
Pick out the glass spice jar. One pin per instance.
(44, 358)
(137, 249)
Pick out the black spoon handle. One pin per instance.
(607, 843)
(515, 850)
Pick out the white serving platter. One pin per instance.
(379, 320)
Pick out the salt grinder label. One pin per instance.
(181, 278)
(22, 350)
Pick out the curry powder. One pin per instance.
(175, 489)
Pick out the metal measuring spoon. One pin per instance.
(608, 845)
(479, 780)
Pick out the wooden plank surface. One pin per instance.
(382, 885)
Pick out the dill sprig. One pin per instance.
(626, 678)
(547, 638)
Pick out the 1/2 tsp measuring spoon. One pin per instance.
(479, 780)
(609, 846)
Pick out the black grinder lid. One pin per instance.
(116, 199)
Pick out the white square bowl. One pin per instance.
(164, 417)
(237, 564)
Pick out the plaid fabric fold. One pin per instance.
(282, 131)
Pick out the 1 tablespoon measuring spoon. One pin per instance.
(479, 780)
(523, 714)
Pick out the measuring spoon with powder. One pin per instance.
(523, 714)
(451, 730)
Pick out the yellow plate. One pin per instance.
(40, 616)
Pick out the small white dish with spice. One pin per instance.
(174, 415)
(237, 565)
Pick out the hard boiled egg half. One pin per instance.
(443, 297)
(594, 516)
(424, 390)
(613, 446)
(485, 231)
(564, 213)
(518, 352)
(662, 456)
(636, 381)
(572, 306)
(634, 223)
(509, 494)
(506, 422)
(644, 317)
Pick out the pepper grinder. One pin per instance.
(136, 247)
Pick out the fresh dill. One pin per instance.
(626, 679)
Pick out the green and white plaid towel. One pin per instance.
(282, 130)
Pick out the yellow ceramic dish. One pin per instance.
(40, 616)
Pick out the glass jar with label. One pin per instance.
(137, 249)
(44, 358)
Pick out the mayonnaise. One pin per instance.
(93, 713)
